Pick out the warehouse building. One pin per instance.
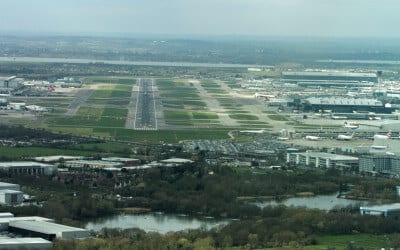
(57, 158)
(345, 105)
(11, 197)
(322, 160)
(46, 230)
(303, 76)
(9, 186)
(5, 221)
(93, 164)
(385, 210)
(27, 167)
(24, 243)
(124, 161)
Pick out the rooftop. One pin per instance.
(334, 157)
(6, 184)
(385, 207)
(54, 158)
(44, 226)
(25, 240)
(343, 101)
(23, 164)
(328, 73)
(119, 159)
(176, 160)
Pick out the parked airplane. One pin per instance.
(350, 125)
(313, 138)
(385, 137)
(379, 146)
(283, 138)
(253, 131)
(345, 137)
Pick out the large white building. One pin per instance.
(27, 167)
(320, 159)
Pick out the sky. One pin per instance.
(265, 18)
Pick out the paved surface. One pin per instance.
(80, 99)
(145, 115)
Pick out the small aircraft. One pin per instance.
(350, 125)
(384, 137)
(345, 137)
(312, 138)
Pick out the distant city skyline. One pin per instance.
(304, 18)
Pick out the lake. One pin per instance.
(155, 222)
(323, 202)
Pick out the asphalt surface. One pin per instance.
(145, 116)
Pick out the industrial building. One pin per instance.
(124, 161)
(27, 167)
(93, 164)
(24, 243)
(34, 226)
(57, 158)
(9, 186)
(303, 76)
(46, 230)
(11, 197)
(345, 105)
(384, 164)
(322, 160)
(385, 210)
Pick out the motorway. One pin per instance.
(145, 115)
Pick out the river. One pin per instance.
(115, 62)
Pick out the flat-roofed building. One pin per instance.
(125, 161)
(24, 243)
(384, 164)
(57, 158)
(385, 210)
(27, 167)
(10, 186)
(47, 230)
(93, 164)
(5, 221)
(296, 76)
(321, 159)
(345, 105)
(11, 197)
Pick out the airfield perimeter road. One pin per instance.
(145, 115)
(80, 99)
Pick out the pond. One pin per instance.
(323, 202)
(155, 222)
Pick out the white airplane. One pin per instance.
(283, 138)
(384, 137)
(350, 125)
(345, 137)
(379, 146)
(312, 138)
(261, 131)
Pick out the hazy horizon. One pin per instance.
(206, 18)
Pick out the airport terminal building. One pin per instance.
(345, 105)
(306, 76)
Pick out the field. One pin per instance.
(106, 107)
